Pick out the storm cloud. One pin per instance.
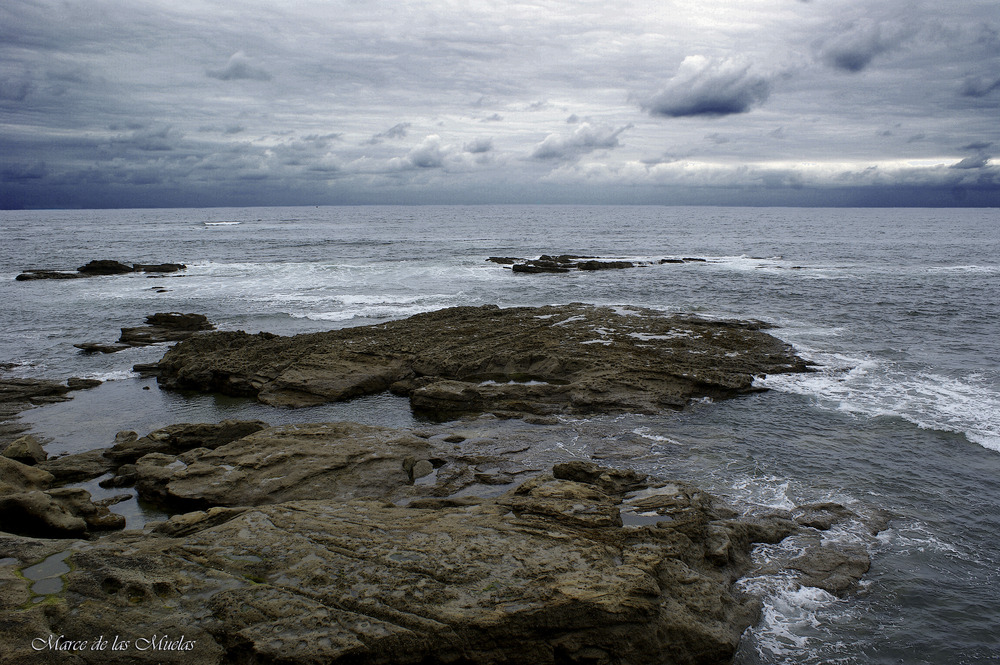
(710, 87)
(137, 104)
(854, 48)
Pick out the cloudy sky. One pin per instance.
(107, 103)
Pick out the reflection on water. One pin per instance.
(92, 418)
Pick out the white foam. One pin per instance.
(646, 434)
(968, 405)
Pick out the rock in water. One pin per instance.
(544, 360)
(105, 267)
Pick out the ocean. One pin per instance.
(899, 309)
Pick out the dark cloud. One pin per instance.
(428, 154)
(710, 87)
(479, 146)
(976, 162)
(977, 145)
(584, 139)
(979, 86)
(496, 117)
(239, 67)
(854, 49)
(19, 172)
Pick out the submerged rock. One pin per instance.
(559, 359)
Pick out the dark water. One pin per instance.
(899, 307)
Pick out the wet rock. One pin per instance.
(604, 265)
(98, 347)
(76, 383)
(612, 481)
(175, 439)
(165, 327)
(104, 267)
(821, 516)
(17, 389)
(26, 449)
(158, 267)
(17, 477)
(836, 570)
(546, 360)
(31, 275)
(77, 467)
(99, 267)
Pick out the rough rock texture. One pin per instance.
(318, 461)
(363, 581)
(29, 507)
(571, 358)
(26, 449)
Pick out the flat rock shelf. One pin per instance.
(572, 358)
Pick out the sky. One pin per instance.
(150, 103)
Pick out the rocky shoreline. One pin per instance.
(459, 542)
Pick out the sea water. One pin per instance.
(899, 309)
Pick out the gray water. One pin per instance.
(899, 307)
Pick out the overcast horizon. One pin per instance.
(109, 104)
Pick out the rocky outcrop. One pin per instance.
(26, 450)
(29, 506)
(165, 327)
(564, 263)
(99, 267)
(341, 542)
(543, 574)
(559, 359)
(160, 327)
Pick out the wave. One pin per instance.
(967, 405)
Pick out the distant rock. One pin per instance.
(158, 267)
(99, 347)
(99, 267)
(105, 267)
(165, 327)
(160, 327)
(546, 360)
(564, 263)
(29, 275)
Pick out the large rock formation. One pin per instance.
(543, 574)
(571, 358)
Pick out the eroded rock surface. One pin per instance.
(560, 359)
(364, 581)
